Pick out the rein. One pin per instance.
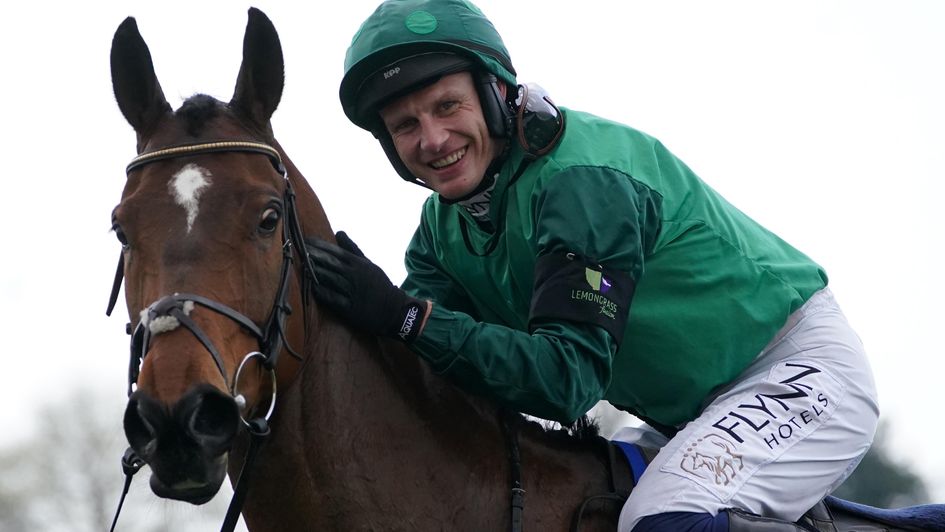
(271, 336)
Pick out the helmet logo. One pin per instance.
(392, 72)
(421, 22)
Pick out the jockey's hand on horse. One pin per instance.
(360, 292)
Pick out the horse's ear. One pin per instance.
(137, 90)
(262, 76)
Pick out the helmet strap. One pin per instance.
(496, 109)
(381, 134)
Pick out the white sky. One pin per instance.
(824, 120)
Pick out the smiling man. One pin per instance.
(564, 259)
(441, 136)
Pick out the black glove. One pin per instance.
(360, 292)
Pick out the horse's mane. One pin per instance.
(581, 431)
(197, 111)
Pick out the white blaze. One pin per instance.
(186, 186)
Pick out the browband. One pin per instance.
(208, 147)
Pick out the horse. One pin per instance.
(363, 436)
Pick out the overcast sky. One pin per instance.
(824, 120)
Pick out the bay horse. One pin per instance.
(364, 436)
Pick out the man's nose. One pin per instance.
(432, 136)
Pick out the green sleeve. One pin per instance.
(599, 213)
(426, 279)
(557, 372)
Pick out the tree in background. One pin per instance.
(14, 495)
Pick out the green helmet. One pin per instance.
(405, 44)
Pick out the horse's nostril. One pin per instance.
(143, 420)
(212, 419)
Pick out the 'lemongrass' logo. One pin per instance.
(597, 281)
(599, 285)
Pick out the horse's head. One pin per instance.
(206, 222)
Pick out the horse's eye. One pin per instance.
(120, 235)
(269, 221)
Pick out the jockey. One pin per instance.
(563, 259)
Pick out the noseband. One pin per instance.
(175, 308)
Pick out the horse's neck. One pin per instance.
(374, 440)
(368, 442)
(380, 385)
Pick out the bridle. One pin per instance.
(270, 336)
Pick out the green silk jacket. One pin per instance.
(710, 286)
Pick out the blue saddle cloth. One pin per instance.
(923, 517)
(635, 458)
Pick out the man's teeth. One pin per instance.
(449, 159)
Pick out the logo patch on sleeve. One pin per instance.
(600, 285)
(572, 288)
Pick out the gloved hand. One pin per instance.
(360, 292)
